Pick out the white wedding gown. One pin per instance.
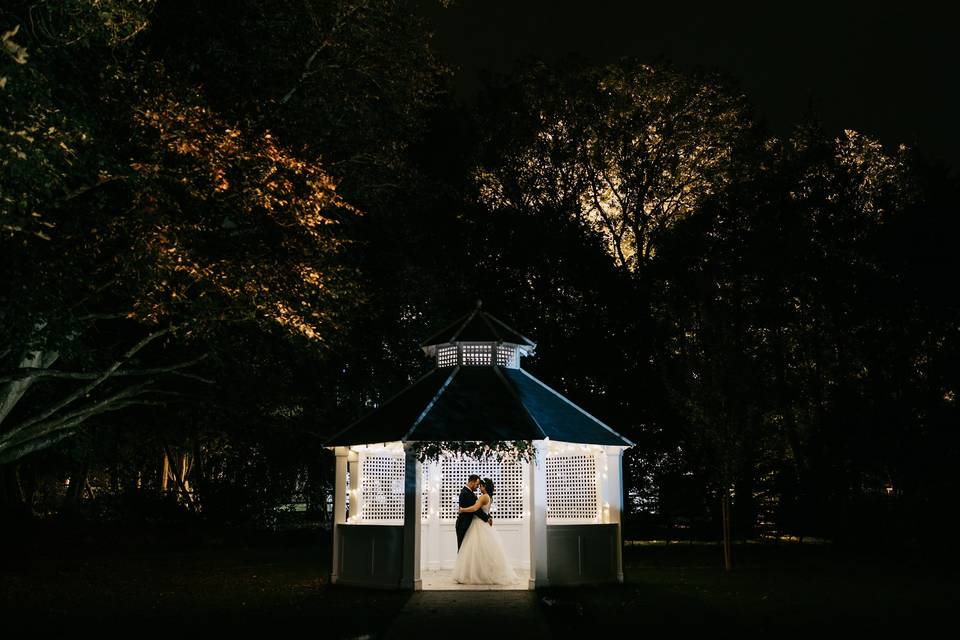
(481, 559)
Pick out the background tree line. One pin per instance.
(226, 227)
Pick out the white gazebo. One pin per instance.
(558, 514)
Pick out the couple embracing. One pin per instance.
(481, 558)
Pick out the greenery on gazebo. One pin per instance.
(478, 450)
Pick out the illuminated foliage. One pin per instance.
(351, 80)
(233, 221)
(137, 224)
(627, 150)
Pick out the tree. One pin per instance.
(627, 150)
(208, 224)
(625, 154)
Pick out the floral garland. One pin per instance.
(479, 450)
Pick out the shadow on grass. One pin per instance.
(775, 589)
(122, 579)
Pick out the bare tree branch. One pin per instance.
(90, 317)
(84, 390)
(34, 429)
(36, 373)
(11, 392)
(13, 441)
(303, 76)
(10, 452)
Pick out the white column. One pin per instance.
(538, 515)
(339, 506)
(434, 515)
(613, 498)
(410, 578)
(353, 458)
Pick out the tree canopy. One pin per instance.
(224, 229)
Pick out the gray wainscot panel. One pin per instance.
(370, 555)
(582, 553)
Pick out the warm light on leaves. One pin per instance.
(275, 260)
(628, 150)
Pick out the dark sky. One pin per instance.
(889, 72)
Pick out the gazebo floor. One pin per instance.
(441, 580)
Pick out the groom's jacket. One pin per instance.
(468, 499)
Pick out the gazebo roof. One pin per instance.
(478, 326)
(478, 403)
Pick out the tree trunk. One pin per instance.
(199, 473)
(185, 471)
(27, 478)
(180, 480)
(12, 499)
(11, 392)
(745, 504)
(727, 543)
(315, 490)
(70, 506)
(165, 473)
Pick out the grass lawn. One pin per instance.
(113, 579)
(122, 580)
(779, 588)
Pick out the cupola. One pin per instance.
(478, 339)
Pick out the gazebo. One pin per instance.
(558, 513)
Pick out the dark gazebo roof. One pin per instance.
(484, 402)
(478, 403)
(478, 326)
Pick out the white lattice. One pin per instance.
(477, 354)
(508, 477)
(507, 357)
(572, 491)
(381, 487)
(425, 491)
(447, 356)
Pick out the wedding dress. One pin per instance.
(482, 559)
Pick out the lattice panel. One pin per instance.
(446, 356)
(477, 355)
(507, 357)
(425, 491)
(507, 476)
(572, 487)
(381, 488)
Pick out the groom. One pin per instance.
(467, 499)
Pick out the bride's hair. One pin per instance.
(488, 486)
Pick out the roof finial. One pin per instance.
(479, 303)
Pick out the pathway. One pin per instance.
(492, 614)
(442, 580)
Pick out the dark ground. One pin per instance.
(775, 588)
(121, 579)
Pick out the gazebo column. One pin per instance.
(613, 498)
(339, 507)
(353, 462)
(410, 578)
(538, 515)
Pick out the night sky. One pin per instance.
(886, 71)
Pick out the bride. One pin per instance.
(481, 559)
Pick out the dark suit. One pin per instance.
(467, 499)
